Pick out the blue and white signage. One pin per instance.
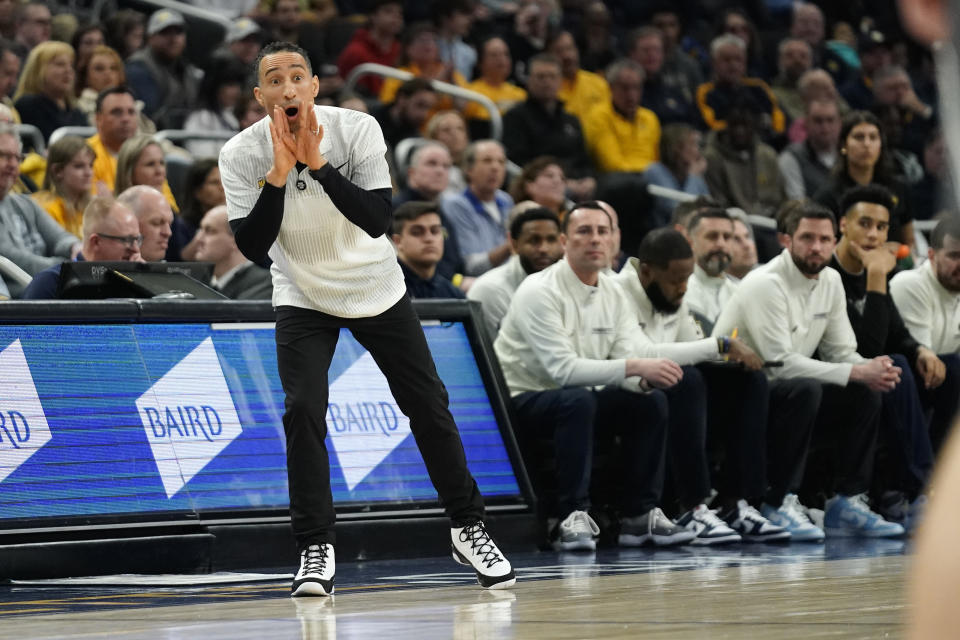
(187, 418)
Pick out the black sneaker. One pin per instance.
(473, 547)
(317, 570)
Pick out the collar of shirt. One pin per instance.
(582, 293)
(221, 282)
(947, 298)
(706, 279)
(795, 278)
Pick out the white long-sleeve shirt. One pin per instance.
(494, 290)
(931, 313)
(663, 335)
(560, 332)
(707, 295)
(783, 315)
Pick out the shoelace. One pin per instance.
(748, 512)
(794, 510)
(315, 560)
(659, 518)
(480, 544)
(581, 522)
(859, 503)
(708, 517)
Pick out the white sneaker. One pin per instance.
(317, 571)
(473, 547)
(708, 528)
(793, 516)
(576, 532)
(747, 521)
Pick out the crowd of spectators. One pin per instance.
(694, 235)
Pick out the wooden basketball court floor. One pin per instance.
(841, 589)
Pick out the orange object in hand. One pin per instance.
(903, 252)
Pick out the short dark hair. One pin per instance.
(109, 91)
(793, 211)
(662, 245)
(279, 46)
(949, 226)
(871, 193)
(683, 210)
(536, 213)
(413, 86)
(544, 58)
(410, 211)
(707, 212)
(586, 204)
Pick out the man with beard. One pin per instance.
(709, 288)
(795, 59)
(729, 401)
(786, 310)
(535, 243)
(928, 299)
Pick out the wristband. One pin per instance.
(723, 344)
(457, 279)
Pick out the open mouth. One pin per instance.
(292, 111)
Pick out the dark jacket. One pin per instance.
(530, 130)
(435, 287)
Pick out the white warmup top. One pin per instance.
(321, 260)
(494, 290)
(707, 295)
(783, 315)
(931, 313)
(663, 335)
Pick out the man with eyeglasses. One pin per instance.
(110, 233)
(418, 238)
(29, 237)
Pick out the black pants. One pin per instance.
(306, 341)
(687, 441)
(793, 413)
(573, 416)
(941, 403)
(904, 437)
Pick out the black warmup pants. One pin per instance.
(306, 341)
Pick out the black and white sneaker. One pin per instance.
(708, 528)
(473, 547)
(752, 526)
(653, 527)
(317, 570)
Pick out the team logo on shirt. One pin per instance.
(260, 182)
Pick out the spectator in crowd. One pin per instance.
(742, 171)
(288, 23)
(8, 19)
(428, 176)
(67, 182)
(653, 287)
(743, 247)
(405, 116)
(160, 75)
(450, 129)
(248, 110)
(679, 70)
(731, 85)
(29, 237)
(9, 72)
(796, 289)
(933, 193)
(815, 85)
(241, 43)
(684, 211)
(621, 135)
(709, 288)
(125, 31)
(154, 216)
(669, 101)
(116, 122)
(555, 350)
(795, 58)
(598, 43)
(681, 167)
(479, 215)
(535, 245)
(377, 42)
(808, 24)
(892, 86)
(33, 24)
(928, 299)
(418, 238)
(580, 90)
(493, 68)
(865, 262)
(219, 93)
(141, 161)
(533, 23)
(85, 39)
(806, 166)
(906, 164)
(863, 160)
(104, 70)
(542, 182)
(110, 233)
(233, 275)
(44, 96)
(453, 19)
(540, 126)
(421, 57)
(202, 191)
(736, 22)
(874, 51)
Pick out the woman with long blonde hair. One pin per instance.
(45, 95)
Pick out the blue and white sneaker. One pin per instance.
(793, 516)
(753, 527)
(709, 529)
(850, 516)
